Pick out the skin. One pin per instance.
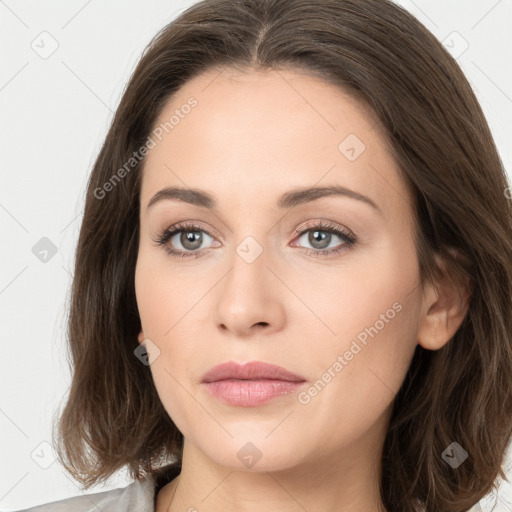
(252, 137)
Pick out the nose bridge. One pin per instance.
(249, 266)
(249, 294)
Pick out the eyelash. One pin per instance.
(164, 237)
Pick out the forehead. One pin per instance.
(251, 133)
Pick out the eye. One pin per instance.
(189, 235)
(320, 235)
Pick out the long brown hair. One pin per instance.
(381, 54)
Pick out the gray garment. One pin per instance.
(138, 496)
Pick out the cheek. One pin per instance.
(373, 311)
(370, 282)
(165, 306)
(357, 379)
(381, 318)
(162, 294)
(174, 316)
(164, 303)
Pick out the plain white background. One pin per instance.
(55, 111)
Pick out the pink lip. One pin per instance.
(251, 384)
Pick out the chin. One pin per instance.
(253, 453)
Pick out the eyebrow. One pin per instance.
(287, 200)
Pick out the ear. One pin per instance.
(141, 336)
(445, 304)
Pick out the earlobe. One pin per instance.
(141, 336)
(435, 331)
(443, 311)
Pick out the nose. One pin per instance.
(250, 298)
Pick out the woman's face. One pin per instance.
(342, 316)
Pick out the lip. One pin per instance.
(251, 384)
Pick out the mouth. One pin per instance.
(249, 385)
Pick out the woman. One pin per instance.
(294, 272)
